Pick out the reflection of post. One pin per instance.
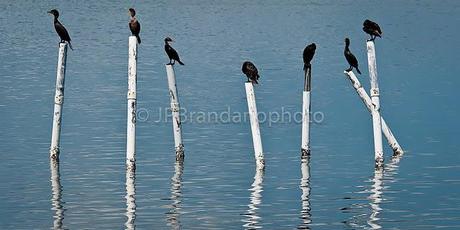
(376, 198)
(173, 216)
(56, 199)
(305, 214)
(130, 199)
(252, 221)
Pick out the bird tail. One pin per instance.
(306, 67)
(70, 45)
(138, 39)
(180, 62)
(358, 70)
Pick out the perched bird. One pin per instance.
(350, 57)
(172, 54)
(134, 25)
(251, 72)
(308, 54)
(372, 29)
(60, 29)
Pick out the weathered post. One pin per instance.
(256, 138)
(58, 101)
(131, 121)
(175, 110)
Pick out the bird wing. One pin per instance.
(61, 31)
(351, 59)
(134, 26)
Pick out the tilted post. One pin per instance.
(58, 101)
(175, 110)
(392, 142)
(256, 138)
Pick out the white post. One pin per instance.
(130, 199)
(175, 110)
(305, 187)
(256, 139)
(56, 198)
(58, 101)
(376, 121)
(306, 115)
(131, 120)
(397, 150)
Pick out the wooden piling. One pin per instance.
(58, 101)
(175, 110)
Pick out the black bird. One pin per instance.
(171, 52)
(60, 29)
(372, 29)
(134, 25)
(251, 72)
(308, 54)
(350, 57)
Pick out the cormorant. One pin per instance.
(350, 57)
(251, 72)
(134, 25)
(308, 54)
(172, 54)
(372, 29)
(60, 29)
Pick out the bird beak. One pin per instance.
(49, 12)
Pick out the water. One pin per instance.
(218, 186)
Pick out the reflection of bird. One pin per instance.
(134, 25)
(350, 57)
(172, 53)
(372, 29)
(308, 54)
(60, 29)
(251, 72)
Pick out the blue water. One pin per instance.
(218, 186)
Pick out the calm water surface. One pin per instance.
(218, 185)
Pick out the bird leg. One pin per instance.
(349, 69)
